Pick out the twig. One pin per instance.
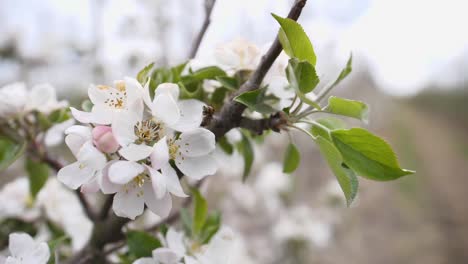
(275, 122)
(86, 206)
(106, 207)
(209, 4)
(230, 115)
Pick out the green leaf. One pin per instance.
(53, 244)
(246, 150)
(225, 145)
(295, 41)
(291, 75)
(345, 72)
(87, 105)
(38, 173)
(346, 107)
(10, 151)
(218, 96)
(141, 244)
(325, 126)
(256, 101)
(292, 159)
(210, 72)
(59, 115)
(228, 82)
(200, 211)
(367, 154)
(186, 221)
(345, 176)
(212, 225)
(142, 76)
(306, 78)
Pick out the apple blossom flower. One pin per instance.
(109, 101)
(24, 249)
(55, 134)
(191, 153)
(136, 185)
(177, 248)
(15, 99)
(20, 204)
(238, 54)
(90, 161)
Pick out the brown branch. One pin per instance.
(230, 114)
(209, 4)
(106, 207)
(275, 122)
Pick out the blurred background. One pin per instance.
(410, 64)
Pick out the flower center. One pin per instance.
(173, 149)
(147, 131)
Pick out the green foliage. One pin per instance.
(256, 100)
(345, 176)
(186, 221)
(10, 225)
(10, 151)
(211, 226)
(141, 244)
(200, 210)
(292, 158)
(87, 105)
(225, 145)
(323, 126)
(228, 82)
(142, 76)
(59, 115)
(305, 78)
(38, 173)
(295, 83)
(295, 41)
(211, 73)
(346, 107)
(367, 154)
(246, 150)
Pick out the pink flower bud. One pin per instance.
(104, 140)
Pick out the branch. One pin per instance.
(230, 115)
(209, 4)
(275, 122)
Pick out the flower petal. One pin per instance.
(197, 167)
(161, 207)
(165, 108)
(91, 156)
(172, 181)
(90, 187)
(197, 142)
(171, 88)
(134, 152)
(191, 115)
(39, 254)
(122, 172)
(128, 203)
(144, 261)
(175, 241)
(160, 155)
(123, 127)
(75, 175)
(107, 187)
(20, 244)
(157, 182)
(165, 256)
(82, 116)
(56, 133)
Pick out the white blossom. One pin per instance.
(24, 250)
(238, 54)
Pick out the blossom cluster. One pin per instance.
(135, 145)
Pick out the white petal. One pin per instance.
(197, 142)
(128, 203)
(56, 133)
(171, 88)
(161, 207)
(191, 260)
(82, 131)
(175, 241)
(172, 181)
(133, 89)
(20, 244)
(101, 115)
(121, 172)
(98, 95)
(123, 127)
(145, 261)
(191, 115)
(160, 155)
(91, 186)
(165, 108)
(82, 116)
(165, 256)
(91, 156)
(107, 187)
(74, 143)
(157, 182)
(134, 152)
(197, 167)
(41, 96)
(75, 175)
(39, 254)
